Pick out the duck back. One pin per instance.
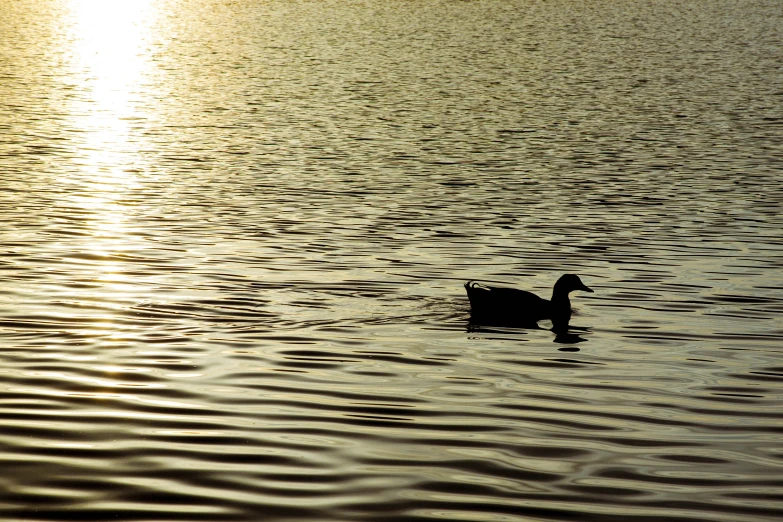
(506, 304)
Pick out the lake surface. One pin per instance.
(234, 236)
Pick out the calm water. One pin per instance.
(234, 236)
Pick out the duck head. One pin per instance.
(567, 284)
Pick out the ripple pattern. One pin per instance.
(234, 237)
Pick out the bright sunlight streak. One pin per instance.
(110, 48)
(110, 57)
(110, 54)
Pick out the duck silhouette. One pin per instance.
(508, 306)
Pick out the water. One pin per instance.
(235, 235)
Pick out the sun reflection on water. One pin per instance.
(110, 54)
(110, 48)
(110, 61)
(110, 58)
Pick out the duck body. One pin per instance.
(497, 305)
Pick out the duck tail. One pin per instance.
(468, 289)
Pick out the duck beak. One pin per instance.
(585, 288)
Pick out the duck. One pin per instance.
(497, 305)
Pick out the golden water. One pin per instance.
(234, 236)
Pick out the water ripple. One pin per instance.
(235, 236)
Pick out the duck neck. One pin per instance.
(560, 299)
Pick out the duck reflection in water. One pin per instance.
(495, 306)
